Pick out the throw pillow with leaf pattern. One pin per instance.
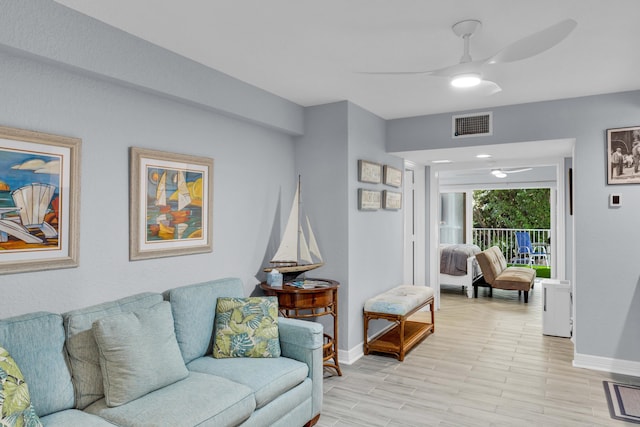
(246, 327)
(15, 403)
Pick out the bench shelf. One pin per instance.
(409, 330)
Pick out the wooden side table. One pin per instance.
(314, 300)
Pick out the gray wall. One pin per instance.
(47, 30)
(376, 238)
(253, 172)
(362, 250)
(63, 73)
(607, 272)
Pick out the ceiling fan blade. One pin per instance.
(516, 170)
(452, 70)
(485, 88)
(489, 87)
(394, 73)
(461, 68)
(535, 43)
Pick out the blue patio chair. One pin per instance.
(526, 252)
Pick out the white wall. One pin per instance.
(607, 273)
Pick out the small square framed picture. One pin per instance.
(392, 176)
(391, 200)
(368, 200)
(369, 172)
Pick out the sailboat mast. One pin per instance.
(300, 235)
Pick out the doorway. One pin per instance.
(467, 174)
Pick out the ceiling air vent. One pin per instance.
(477, 124)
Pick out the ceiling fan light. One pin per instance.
(466, 80)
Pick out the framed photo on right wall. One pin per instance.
(623, 155)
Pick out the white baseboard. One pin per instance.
(348, 357)
(606, 364)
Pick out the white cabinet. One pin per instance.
(556, 306)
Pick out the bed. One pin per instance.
(458, 266)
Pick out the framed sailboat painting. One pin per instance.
(171, 204)
(39, 199)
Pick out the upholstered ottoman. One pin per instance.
(400, 305)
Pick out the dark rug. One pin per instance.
(624, 401)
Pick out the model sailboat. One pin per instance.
(296, 253)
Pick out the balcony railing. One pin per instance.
(505, 239)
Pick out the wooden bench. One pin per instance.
(400, 305)
(497, 275)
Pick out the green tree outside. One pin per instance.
(517, 208)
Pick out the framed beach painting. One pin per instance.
(39, 201)
(171, 204)
(623, 155)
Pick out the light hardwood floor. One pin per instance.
(487, 364)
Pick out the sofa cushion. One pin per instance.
(246, 327)
(194, 308)
(74, 417)
(399, 300)
(138, 353)
(83, 350)
(36, 343)
(516, 278)
(198, 400)
(492, 263)
(15, 403)
(268, 378)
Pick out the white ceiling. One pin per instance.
(311, 52)
(467, 168)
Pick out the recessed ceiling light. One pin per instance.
(441, 161)
(483, 156)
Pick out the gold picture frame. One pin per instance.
(171, 204)
(39, 201)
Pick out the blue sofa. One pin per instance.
(59, 357)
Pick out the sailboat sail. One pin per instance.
(294, 253)
(161, 191)
(313, 244)
(305, 256)
(184, 198)
(288, 249)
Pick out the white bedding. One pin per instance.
(472, 270)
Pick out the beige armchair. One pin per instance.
(497, 275)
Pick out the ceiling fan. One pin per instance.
(469, 73)
(502, 173)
